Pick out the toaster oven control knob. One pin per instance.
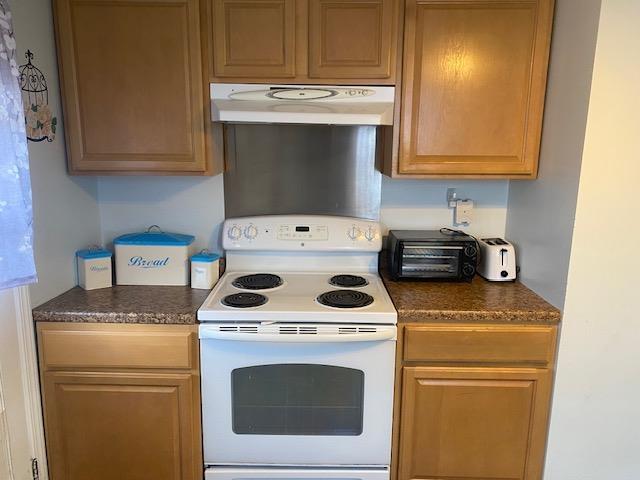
(470, 251)
(251, 232)
(370, 234)
(353, 233)
(234, 232)
(468, 270)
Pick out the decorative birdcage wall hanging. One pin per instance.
(39, 120)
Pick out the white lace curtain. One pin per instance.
(16, 215)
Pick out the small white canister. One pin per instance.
(205, 270)
(153, 257)
(94, 268)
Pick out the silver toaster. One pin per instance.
(497, 260)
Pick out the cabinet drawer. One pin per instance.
(117, 346)
(480, 344)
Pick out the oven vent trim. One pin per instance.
(296, 329)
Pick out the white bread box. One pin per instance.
(153, 257)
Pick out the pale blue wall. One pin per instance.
(66, 214)
(196, 205)
(541, 213)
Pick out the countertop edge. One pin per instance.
(447, 316)
(151, 318)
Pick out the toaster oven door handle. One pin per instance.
(431, 246)
(378, 336)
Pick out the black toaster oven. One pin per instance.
(432, 255)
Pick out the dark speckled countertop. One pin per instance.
(124, 304)
(477, 301)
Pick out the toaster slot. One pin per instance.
(420, 260)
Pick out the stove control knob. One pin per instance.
(370, 234)
(353, 233)
(251, 232)
(234, 232)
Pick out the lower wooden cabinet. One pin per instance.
(473, 423)
(478, 412)
(105, 420)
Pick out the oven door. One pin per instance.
(283, 398)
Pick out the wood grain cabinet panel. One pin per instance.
(254, 38)
(473, 87)
(480, 344)
(121, 401)
(132, 85)
(351, 38)
(473, 423)
(103, 426)
(64, 346)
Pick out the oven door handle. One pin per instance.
(381, 335)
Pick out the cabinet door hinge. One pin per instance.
(35, 471)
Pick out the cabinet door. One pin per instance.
(129, 426)
(254, 38)
(473, 87)
(132, 85)
(352, 38)
(473, 423)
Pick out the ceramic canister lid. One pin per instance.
(90, 253)
(154, 237)
(205, 257)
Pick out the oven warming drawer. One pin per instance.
(260, 473)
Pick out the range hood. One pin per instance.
(302, 104)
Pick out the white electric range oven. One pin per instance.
(297, 345)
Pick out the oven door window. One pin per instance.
(297, 399)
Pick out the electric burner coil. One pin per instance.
(348, 281)
(258, 281)
(244, 300)
(345, 299)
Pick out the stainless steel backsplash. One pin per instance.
(302, 169)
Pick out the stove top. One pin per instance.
(299, 297)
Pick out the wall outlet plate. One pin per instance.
(463, 212)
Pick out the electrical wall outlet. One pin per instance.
(463, 212)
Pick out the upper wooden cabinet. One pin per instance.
(133, 86)
(473, 87)
(304, 41)
(254, 38)
(351, 38)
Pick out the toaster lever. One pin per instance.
(503, 252)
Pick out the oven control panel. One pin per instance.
(301, 232)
